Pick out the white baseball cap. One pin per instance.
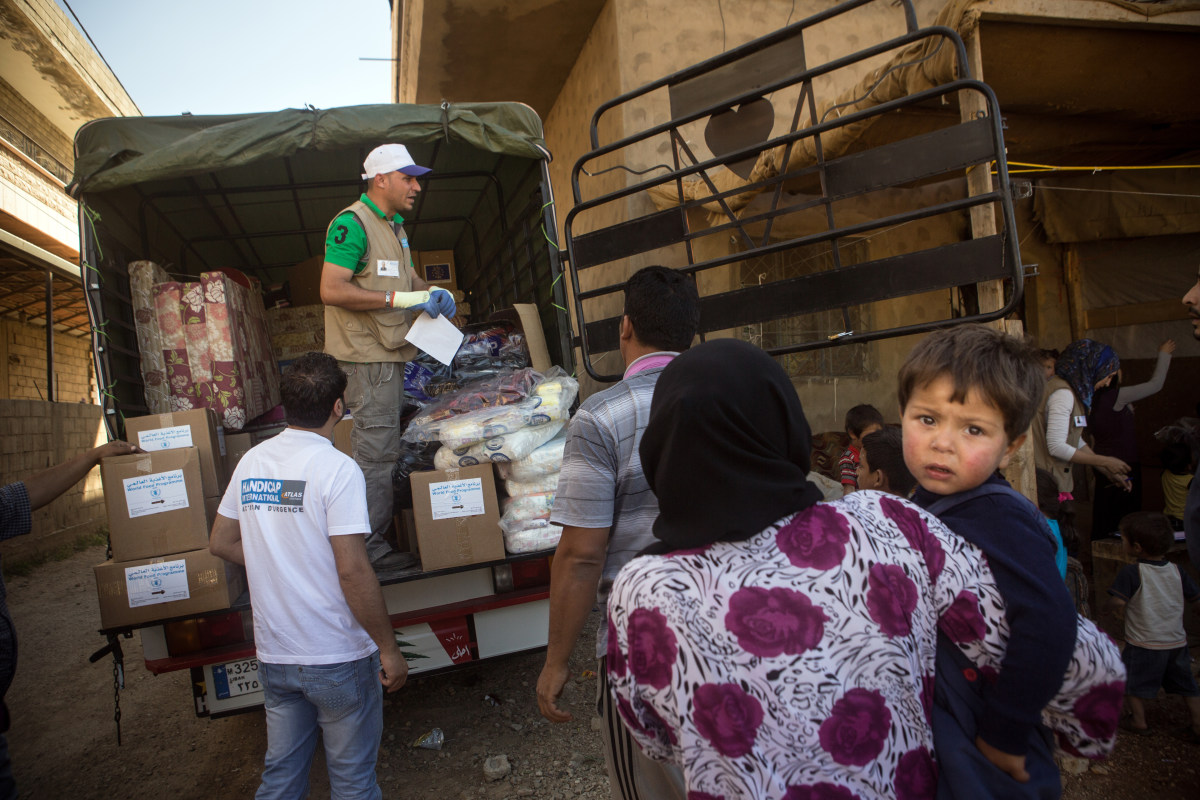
(391, 158)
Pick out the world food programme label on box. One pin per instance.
(451, 499)
(165, 438)
(154, 494)
(156, 583)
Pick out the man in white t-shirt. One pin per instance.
(295, 514)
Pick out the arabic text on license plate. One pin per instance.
(236, 678)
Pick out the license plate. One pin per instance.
(236, 678)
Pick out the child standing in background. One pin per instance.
(1178, 469)
(1149, 596)
(860, 420)
(881, 463)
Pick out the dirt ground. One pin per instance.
(63, 739)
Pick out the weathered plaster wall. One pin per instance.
(592, 80)
(629, 47)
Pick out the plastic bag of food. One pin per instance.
(509, 447)
(552, 398)
(506, 389)
(468, 429)
(549, 401)
(532, 540)
(530, 507)
(541, 462)
(546, 483)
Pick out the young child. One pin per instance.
(967, 397)
(1178, 470)
(1149, 596)
(860, 421)
(881, 463)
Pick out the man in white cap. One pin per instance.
(371, 295)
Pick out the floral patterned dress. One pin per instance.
(799, 664)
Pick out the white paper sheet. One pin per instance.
(156, 583)
(451, 499)
(154, 494)
(166, 438)
(438, 337)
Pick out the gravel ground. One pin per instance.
(63, 741)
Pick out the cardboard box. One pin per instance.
(236, 446)
(145, 590)
(196, 428)
(155, 503)
(341, 436)
(437, 267)
(457, 517)
(304, 281)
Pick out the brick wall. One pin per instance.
(23, 365)
(34, 436)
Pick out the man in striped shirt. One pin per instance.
(605, 506)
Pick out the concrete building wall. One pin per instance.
(629, 47)
(34, 436)
(37, 126)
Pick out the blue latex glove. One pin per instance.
(443, 301)
(429, 308)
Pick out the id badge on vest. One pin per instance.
(387, 269)
(1080, 421)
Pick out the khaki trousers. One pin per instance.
(374, 396)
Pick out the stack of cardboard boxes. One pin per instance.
(161, 505)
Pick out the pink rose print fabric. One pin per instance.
(213, 345)
(798, 664)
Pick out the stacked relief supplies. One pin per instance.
(515, 420)
(531, 483)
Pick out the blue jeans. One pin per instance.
(345, 701)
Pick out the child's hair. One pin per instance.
(1150, 529)
(1046, 353)
(1177, 458)
(862, 417)
(1053, 508)
(1003, 369)
(886, 452)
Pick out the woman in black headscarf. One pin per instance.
(711, 429)
(780, 647)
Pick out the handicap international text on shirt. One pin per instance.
(290, 495)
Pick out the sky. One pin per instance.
(229, 57)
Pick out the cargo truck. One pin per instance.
(801, 164)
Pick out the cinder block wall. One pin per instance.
(23, 365)
(35, 435)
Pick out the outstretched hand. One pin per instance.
(115, 448)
